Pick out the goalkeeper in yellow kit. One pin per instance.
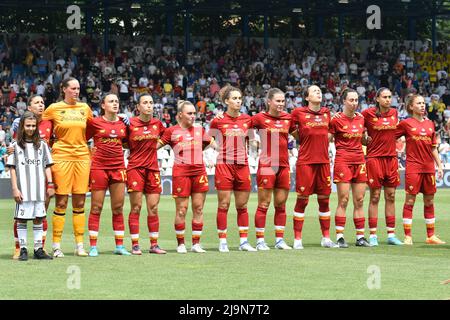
(72, 162)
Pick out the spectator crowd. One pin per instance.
(169, 72)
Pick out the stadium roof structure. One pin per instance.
(409, 8)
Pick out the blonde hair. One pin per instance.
(180, 106)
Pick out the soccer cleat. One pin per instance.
(245, 246)
(23, 256)
(373, 241)
(408, 241)
(181, 248)
(342, 243)
(93, 252)
(282, 245)
(223, 247)
(80, 252)
(136, 250)
(40, 254)
(327, 243)
(434, 240)
(362, 242)
(262, 246)
(156, 249)
(16, 254)
(120, 250)
(394, 241)
(197, 248)
(298, 244)
(57, 253)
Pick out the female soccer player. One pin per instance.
(232, 172)
(30, 169)
(71, 157)
(382, 164)
(107, 171)
(273, 176)
(349, 167)
(143, 173)
(36, 106)
(189, 174)
(313, 164)
(421, 157)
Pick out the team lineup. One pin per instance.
(71, 168)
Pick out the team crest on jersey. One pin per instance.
(375, 119)
(235, 126)
(264, 181)
(155, 127)
(225, 126)
(345, 127)
(122, 131)
(134, 183)
(135, 129)
(430, 129)
(93, 181)
(267, 121)
(286, 121)
(302, 189)
(48, 130)
(371, 181)
(325, 115)
(179, 189)
(308, 116)
(145, 128)
(393, 118)
(82, 112)
(411, 187)
(102, 131)
(413, 129)
(341, 174)
(245, 125)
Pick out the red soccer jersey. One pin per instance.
(420, 139)
(231, 136)
(188, 145)
(274, 132)
(142, 140)
(108, 137)
(348, 133)
(312, 130)
(382, 131)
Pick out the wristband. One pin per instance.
(50, 185)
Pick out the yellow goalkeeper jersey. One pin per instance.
(69, 127)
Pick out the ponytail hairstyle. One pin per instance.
(409, 100)
(180, 107)
(270, 94)
(377, 105)
(102, 101)
(224, 92)
(64, 84)
(21, 136)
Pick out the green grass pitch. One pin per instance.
(384, 272)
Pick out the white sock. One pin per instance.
(278, 239)
(22, 234)
(38, 231)
(223, 240)
(243, 240)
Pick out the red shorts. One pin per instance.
(349, 173)
(144, 180)
(383, 171)
(101, 179)
(185, 186)
(313, 178)
(233, 177)
(273, 178)
(420, 182)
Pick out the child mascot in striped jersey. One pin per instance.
(30, 169)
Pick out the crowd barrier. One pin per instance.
(5, 184)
